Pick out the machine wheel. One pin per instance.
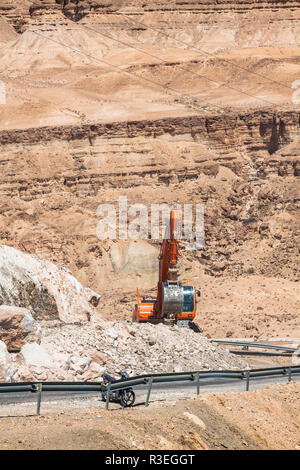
(127, 398)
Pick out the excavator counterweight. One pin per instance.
(174, 302)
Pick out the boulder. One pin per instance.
(99, 358)
(17, 327)
(49, 291)
(112, 333)
(8, 372)
(94, 372)
(34, 355)
(62, 360)
(79, 363)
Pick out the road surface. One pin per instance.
(18, 404)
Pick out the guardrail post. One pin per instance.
(149, 391)
(198, 382)
(290, 375)
(248, 380)
(39, 399)
(107, 395)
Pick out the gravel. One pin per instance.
(135, 348)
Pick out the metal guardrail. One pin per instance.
(39, 387)
(241, 352)
(286, 351)
(246, 344)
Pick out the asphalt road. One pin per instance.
(162, 391)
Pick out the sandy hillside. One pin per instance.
(194, 104)
(61, 71)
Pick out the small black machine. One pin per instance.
(125, 396)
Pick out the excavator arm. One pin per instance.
(168, 259)
(174, 302)
(169, 249)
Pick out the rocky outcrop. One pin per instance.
(22, 13)
(17, 327)
(7, 369)
(48, 291)
(271, 129)
(93, 152)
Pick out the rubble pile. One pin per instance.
(85, 352)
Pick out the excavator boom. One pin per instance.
(174, 302)
(169, 248)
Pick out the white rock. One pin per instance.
(8, 372)
(113, 333)
(50, 291)
(62, 360)
(79, 363)
(35, 355)
(177, 368)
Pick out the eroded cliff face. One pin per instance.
(50, 292)
(77, 132)
(22, 12)
(243, 168)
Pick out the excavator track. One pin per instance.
(189, 324)
(195, 327)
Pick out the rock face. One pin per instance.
(230, 142)
(17, 327)
(49, 291)
(7, 369)
(190, 13)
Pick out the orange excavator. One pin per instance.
(174, 303)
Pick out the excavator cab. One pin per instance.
(182, 302)
(189, 303)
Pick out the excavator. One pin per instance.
(174, 303)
